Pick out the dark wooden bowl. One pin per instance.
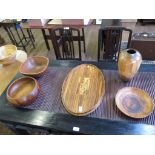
(34, 66)
(134, 102)
(23, 91)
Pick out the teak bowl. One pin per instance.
(34, 66)
(134, 102)
(23, 91)
(7, 54)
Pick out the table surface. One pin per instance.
(67, 123)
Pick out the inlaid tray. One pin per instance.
(83, 89)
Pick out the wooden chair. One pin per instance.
(63, 40)
(111, 38)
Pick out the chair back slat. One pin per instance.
(111, 38)
(63, 43)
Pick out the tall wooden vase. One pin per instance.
(128, 63)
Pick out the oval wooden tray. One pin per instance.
(134, 102)
(83, 89)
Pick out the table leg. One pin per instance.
(31, 34)
(10, 36)
(30, 37)
(46, 41)
(21, 41)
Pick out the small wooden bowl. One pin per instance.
(34, 66)
(23, 91)
(134, 102)
(7, 54)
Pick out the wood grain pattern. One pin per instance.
(34, 66)
(128, 63)
(83, 89)
(23, 91)
(7, 73)
(134, 102)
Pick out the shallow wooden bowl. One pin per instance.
(23, 91)
(7, 54)
(34, 66)
(83, 90)
(134, 102)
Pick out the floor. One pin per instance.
(91, 36)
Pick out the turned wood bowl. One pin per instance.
(134, 102)
(23, 91)
(7, 54)
(34, 66)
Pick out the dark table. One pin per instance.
(68, 124)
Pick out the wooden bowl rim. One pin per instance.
(26, 77)
(138, 89)
(44, 69)
(12, 55)
(97, 104)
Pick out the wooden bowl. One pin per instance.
(134, 102)
(83, 90)
(7, 54)
(34, 66)
(23, 91)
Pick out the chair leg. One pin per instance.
(99, 44)
(46, 41)
(84, 45)
(102, 40)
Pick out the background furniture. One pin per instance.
(74, 23)
(64, 40)
(110, 22)
(17, 36)
(146, 21)
(2, 41)
(111, 38)
(145, 44)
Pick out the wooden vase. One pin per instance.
(128, 63)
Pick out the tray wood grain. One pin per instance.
(83, 89)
